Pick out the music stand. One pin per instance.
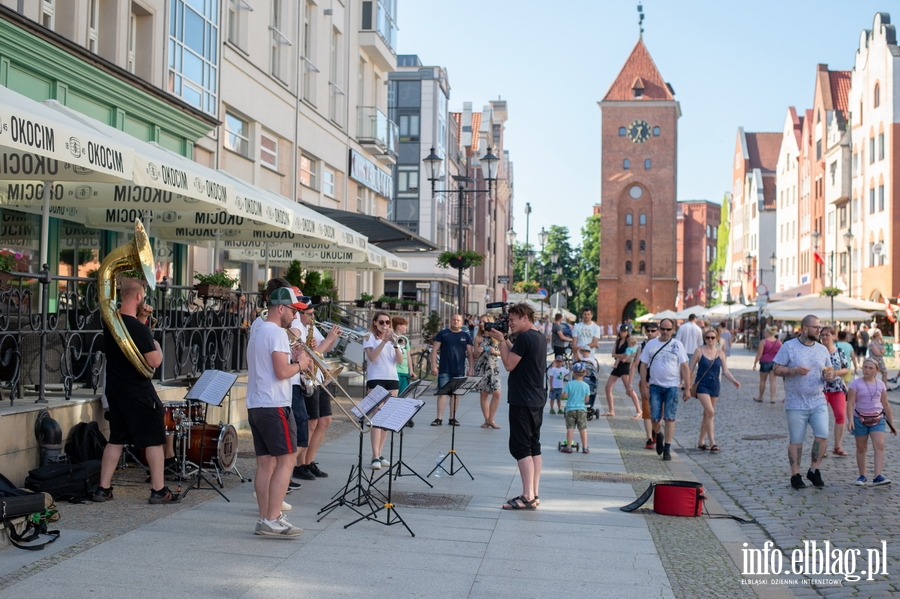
(392, 416)
(355, 494)
(211, 388)
(457, 387)
(414, 390)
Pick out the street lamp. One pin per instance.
(527, 244)
(848, 243)
(433, 164)
(511, 243)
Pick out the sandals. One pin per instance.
(758, 399)
(453, 422)
(608, 415)
(437, 422)
(637, 416)
(585, 450)
(702, 447)
(714, 449)
(840, 452)
(494, 425)
(486, 425)
(520, 503)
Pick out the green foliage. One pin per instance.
(471, 258)
(635, 309)
(84, 256)
(294, 275)
(588, 266)
(831, 291)
(718, 265)
(9, 260)
(219, 278)
(431, 326)
(366, 297)
(526, 287)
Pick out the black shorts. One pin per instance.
(318, 404)
(136, 420)
(298, 407)
(525, 431)
(274, 431)
(861, 351)
(386, 384)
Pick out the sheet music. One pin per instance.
(212, 387)
(396, 412)
(370, 401)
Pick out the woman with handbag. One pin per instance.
(868, 403)
(835, 388)
(710, 362)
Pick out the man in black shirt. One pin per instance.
(135, 411)
(558, 338)
(454, 347)
(526, 362)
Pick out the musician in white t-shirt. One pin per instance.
(586, 333)
(382, 356)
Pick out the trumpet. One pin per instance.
(309, 381)
(330, 376)
(346, 332)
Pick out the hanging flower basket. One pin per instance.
(460, 260)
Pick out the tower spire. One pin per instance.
(640, 8)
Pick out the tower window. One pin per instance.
(626, 164)
(877, 96)
(642, 220)
(628, 267)
(642, 267)
(629, 220)
(643, 245)
(647, 164)
(638, 92)
(622, 131)
(656, 132)
(628, 245)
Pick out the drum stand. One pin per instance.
(355, 494)
(200, 475)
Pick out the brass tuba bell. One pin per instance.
(136, 255)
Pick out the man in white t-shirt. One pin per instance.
(270, 365)
(690, 335)
(664, 367)
(586, 333)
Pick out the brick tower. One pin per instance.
(637, 193)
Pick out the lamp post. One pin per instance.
(542, 237)
(848, 243)
(511, 242)
(527, 245)
(433, 164)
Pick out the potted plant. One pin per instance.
(407, 304)
(217, 285)
(831, 291)
(385, 302)
(8, 263)
(460, 259)
(417, 306)
(526, 287)
(364, 298)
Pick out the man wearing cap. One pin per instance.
(318, 405)
(271, 362)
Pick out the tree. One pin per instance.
(567, 257)
(588, 266)
(717, 266)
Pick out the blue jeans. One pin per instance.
(816, 418)
(663, 396)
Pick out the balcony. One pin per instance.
(378, 34)
(377, 133)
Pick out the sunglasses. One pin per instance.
(383, 322)
(711, 337)
(665, 329)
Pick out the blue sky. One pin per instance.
(731, 63)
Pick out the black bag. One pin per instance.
(65, 482)
(87, 442)
(15, 503)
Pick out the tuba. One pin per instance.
(135, 255)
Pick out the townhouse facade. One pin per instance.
(697, 232)
(787, 213)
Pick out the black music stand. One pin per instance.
(392, 416)
(458, 386)
(355, 493)
(211, 388)
(414, 390)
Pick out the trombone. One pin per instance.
(346, 332)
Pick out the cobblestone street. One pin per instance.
(752, 472)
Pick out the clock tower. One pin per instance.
(637, 192)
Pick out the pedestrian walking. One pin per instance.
(876, 353)
(487, 354)
(671, 371)
(652, 330)
(836, 389)
(690, 335)
(575, 393)
(710, 363)
(725, 336)
(868, 403)
(843, 338)
(862, 341)
(804, 363)
(455, 348)
(765, 356)
(621, 369)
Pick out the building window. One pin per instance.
(93, 24)
(647, 164)
(48, 9)
(842, 216)
(871, 150)
(881, 146)
(278, 42)
(132, 41)
(335, 104)
(876, 96)
(238, 135)
(871, 200)
(407, 178)
(307, 171)
(880, 198)
(380, 16)
(628, 246)
(819, 150)
(268, 151)
(622, 131)
(626, 164)
(409, 127)
(361, 199)
(328, 182)
(628, 267)
(854, 210)
(642, 267)
(629, 220)
(656, 132)
(642, 219)
(642, 245)
(308, 70)
(194, 52)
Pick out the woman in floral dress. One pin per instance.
(486, 365)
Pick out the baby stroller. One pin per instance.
(590, 377)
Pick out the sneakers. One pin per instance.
(815, 478)
(285, 506)
(101, 495)
(376, 464)
(861, 481)
(650, 444)
(553, 411)
(880, 480)
(566, 449)
(164, 495)
(667, 454)
(659, 443)
(303, 473)
(313, 467)
(384, 462)
(281, 528)
(797, 482)
(292, 486)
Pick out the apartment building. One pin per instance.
(787, 213)
(875, 147)
(697, 231)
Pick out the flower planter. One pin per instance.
(378, 305)
(360, 303)
(417, 308)
(459, 263)
(207, 291)
(391, 305)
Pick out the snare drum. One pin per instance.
(174, 412)
(221, 445)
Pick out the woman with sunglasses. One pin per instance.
(710, 361)
(622, 369)
(835, 388)
(382, 356)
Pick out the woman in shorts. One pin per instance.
(382, 356)
(868, 404)
(765, 356)
(709, 362)
(835, 388)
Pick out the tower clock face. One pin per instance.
(639, 131)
